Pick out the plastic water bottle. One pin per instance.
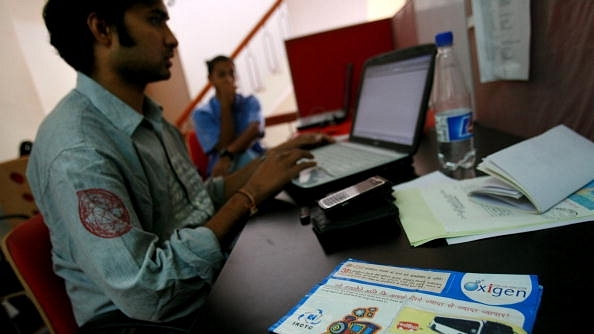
(453, 111)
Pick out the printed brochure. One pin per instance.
(363, 297)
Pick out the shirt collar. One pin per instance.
(117, 111)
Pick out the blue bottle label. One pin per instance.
(454, 125)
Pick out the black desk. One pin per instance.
(276, 261)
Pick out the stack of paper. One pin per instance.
(542, 182)
(434, 207)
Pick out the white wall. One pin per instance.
(435, 16)
(207, 28)
(20, 105)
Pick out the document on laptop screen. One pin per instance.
(388, 90)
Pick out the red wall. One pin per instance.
(318, 63)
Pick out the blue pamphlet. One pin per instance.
(363, 297)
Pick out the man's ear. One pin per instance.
(99, 29)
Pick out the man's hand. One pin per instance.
(277, 168)
(305, 141)
(281, 164)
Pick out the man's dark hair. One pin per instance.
(210, 64)
(66, 22)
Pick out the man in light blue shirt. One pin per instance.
(134, 229)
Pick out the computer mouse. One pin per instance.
(311, 175)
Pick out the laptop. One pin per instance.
(387, 124)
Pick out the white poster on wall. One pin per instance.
(502, 30)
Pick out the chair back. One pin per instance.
(27, 248)
(16, 201)
(199, 158)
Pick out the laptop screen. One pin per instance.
(392, 100)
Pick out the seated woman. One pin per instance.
(230, 126)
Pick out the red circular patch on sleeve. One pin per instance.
(103, 213)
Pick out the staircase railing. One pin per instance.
(183, 118)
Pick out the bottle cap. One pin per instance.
(445, 38)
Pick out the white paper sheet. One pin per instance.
(434, 206)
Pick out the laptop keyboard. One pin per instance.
(339, 160)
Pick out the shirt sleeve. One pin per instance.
(94, 216)
(207, 126)
(254, 111)
(216, 190)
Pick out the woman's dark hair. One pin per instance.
(210, 64)
(66, 22)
